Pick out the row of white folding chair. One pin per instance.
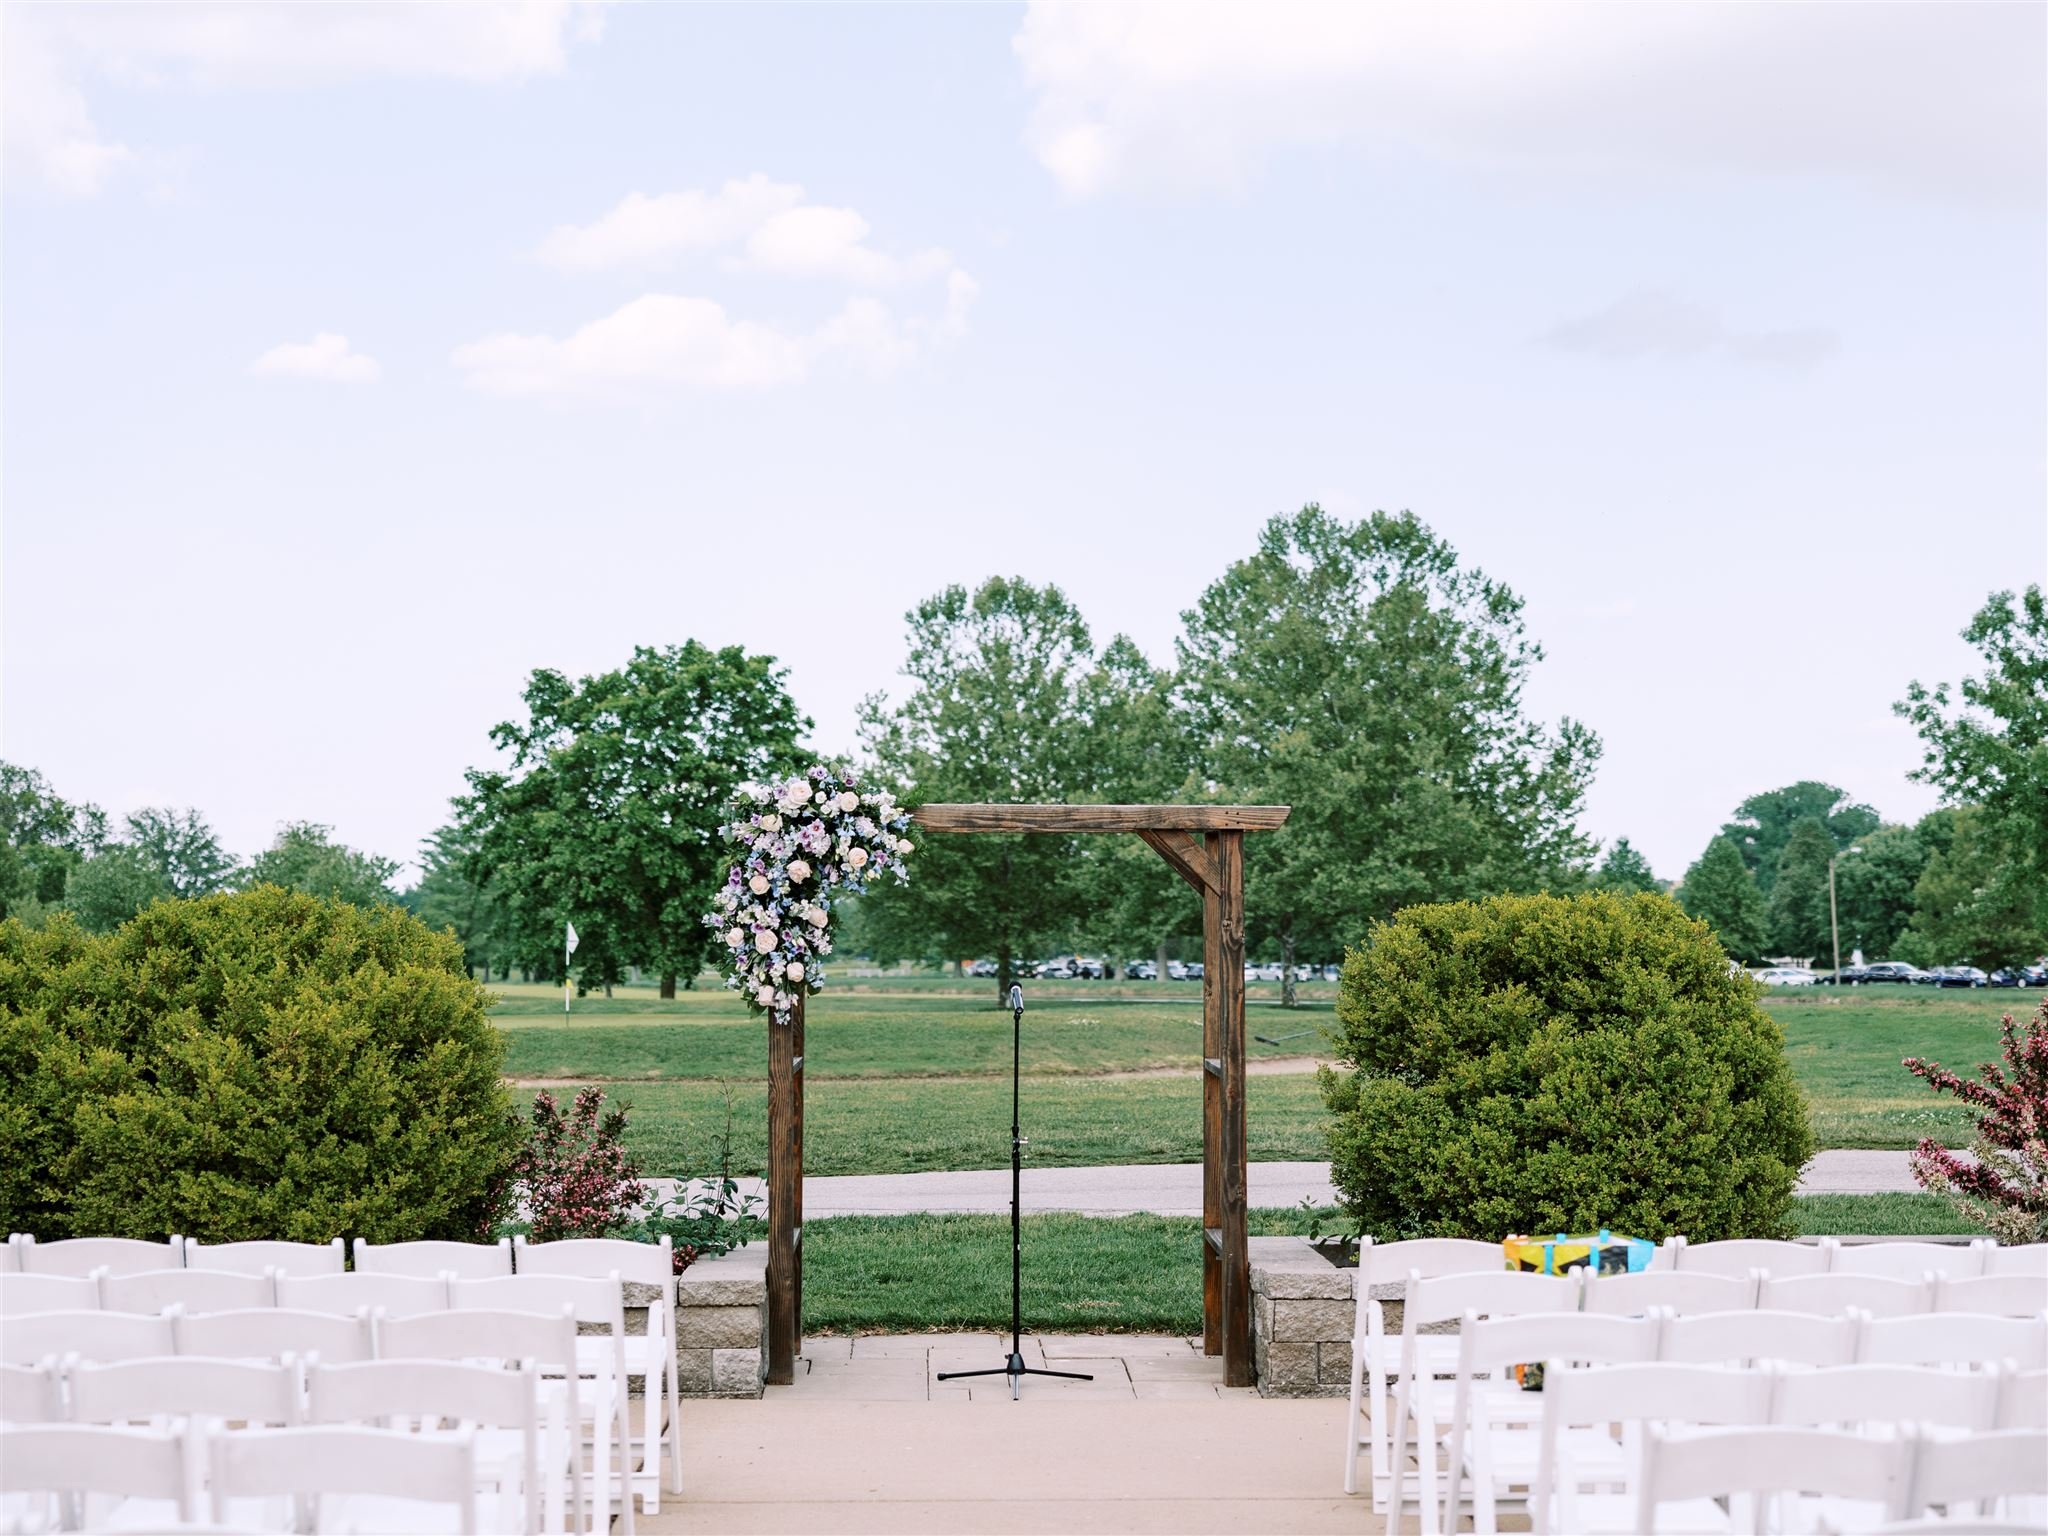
(598, 1363)
(1906, 1260)
(525, 1459)
(1821, 1294)
(1954, 1339)
(352, 1478)
(1868, 1479)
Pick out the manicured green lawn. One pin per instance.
(1117, 1274)
(912, 1080)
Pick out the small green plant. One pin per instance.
(712, 1216)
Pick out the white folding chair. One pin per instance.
(1383, 1270)
(1999, 1295)
(1985, 1474)
(1877, 1396)
(252, 1258)
(651, 1356)
(1751, 1338)
(89, 1335)
(1762, 1463)
(31, 1394)
(1578, 1494)
(1940, 1525)
(598, 1360)
(1831, 1295)
(1435, 1299)
(1680, 1291)
(271, 1333)
(2023, 1400)
(48, 1293)
(1954, 1339)
(394, 1294)
(1910, 1261)
(501, 1406)
(2020, 1259)
(9, 1263)
(115, 1476)
(196, 1290)
(1487, 1400)
(432, 1259)
(83, 1255)
(359, 1479)
(1737, 1256)
(502, 1339)
(184, 1386)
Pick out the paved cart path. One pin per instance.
(1175, 1189)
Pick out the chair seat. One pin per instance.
(1614, 1514)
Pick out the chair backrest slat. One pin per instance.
(1392, 1263)
(432, 1259)
(88, 1335)
(2023, 1400)
(196, 1290)
(397, 1295)
(2002, 1464)
(1909, 1261)
(1954, 1338)
(29, 1394)
(252, 1258)
(1714, 1463)
(266, 1463)
(1488, 1344)
(274, 1332)
(83, 1255)
(1744, 1338)
(2020, 1259)
(180, 1386)
(1491, 1293)
(1736, 1257)
(21, 1293)
(480, 1334)
(1996, 1295)
(646, 1263)
(1680, 1291)
(1831, 1294)
(92, 1458)
(1881, 1394)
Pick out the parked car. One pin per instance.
(1847, 976)
(1141, 970)
(1270, 971)
(1892, 970)
(1332, 972)
(1196, 971)
(1059, 966)
(2007, 976)
(1177, 970)
(1785, 976)
(1090, 969)
(983, 968)
(1959, 976)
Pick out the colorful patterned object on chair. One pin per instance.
(1606, 1253)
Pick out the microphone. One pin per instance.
(1016, 998)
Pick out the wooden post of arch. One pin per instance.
(1205, 846)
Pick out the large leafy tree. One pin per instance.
(112, 886)
(43, 838)
(1358, 673)
(1969, 904)
(452, 897)
(305, 857)
(1874, 884)
(1763, 823)
(1625, 871)
(1797, 917)
(182, 849)
(607, 814)
(1986, 743)
(1720, 891)
(995, 714)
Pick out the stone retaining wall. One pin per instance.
(1302, 1312)
(722, 1324)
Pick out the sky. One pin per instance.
(359, 361)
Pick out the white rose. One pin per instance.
(856, 856)
(819, 797)
(794, 970)
(735, 937)
(902, 846)
(864, 827)
(849, 801)
(764, 995)
(764, 941)
(799, 870)
(758, 885)
(771, 823)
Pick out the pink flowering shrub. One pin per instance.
(573, 1173)
(2002, 1184)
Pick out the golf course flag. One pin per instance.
(568, 949)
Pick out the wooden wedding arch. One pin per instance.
(1205, 846)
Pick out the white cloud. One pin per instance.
(1936, 100)
(775, 230)
(326, 356)
(1660, 324)
(665, 340)
(53, 51)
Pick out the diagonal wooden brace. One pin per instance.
(1188, 857)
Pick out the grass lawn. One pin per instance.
(912, 1078)
(1118, 1274)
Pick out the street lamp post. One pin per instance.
(1834, 925)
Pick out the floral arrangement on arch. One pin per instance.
(803, 844)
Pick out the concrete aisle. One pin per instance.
(1175, 1189)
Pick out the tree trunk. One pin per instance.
(1287, 965)
(1159, 963)
(607, 990)
(959, 967)
(668, 985)
(1003, 974)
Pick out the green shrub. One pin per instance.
(257, 1065)
(1546, 1064)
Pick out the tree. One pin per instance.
(1355, 672)
(45, 838)
(1624, 871)
(1874, 889)
(305, 857)
(1720, 892)
(608, 813)
(1973, 902)
(1763, 823)
(450, 897)
(995, 714)
(112, 886)
(1797, 921)
(182, 849)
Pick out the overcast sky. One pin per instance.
(357, 362)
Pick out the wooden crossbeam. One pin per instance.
(1190, 860)
(1101, 818)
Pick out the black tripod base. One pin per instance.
(1015, 1369)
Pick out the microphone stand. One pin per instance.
(1014, 1367)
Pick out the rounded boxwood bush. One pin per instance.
(257, 1065)
(1559, 1064)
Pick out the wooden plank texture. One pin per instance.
(1226, 852)
(1100, 818)
(785, 1195)
(1187, 856)
(1212, 1118)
